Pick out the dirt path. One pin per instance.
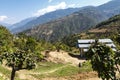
(81, 76)
(93, 79)
(50, 71)
(70, 79)
(25, 75)
(85, 76)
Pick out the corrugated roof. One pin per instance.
(86, 43)
(92, 40)
(105, 40)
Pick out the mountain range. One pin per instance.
(32, 22)
(5, 24)
(111, 8)
(79, 20)
(71, 24)
(107, 29)
(21, 23)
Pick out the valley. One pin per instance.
(45, 47)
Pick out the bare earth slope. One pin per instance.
(63, 57)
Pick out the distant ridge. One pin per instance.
(71, 24)
(76, 22)
(5, 24)
(30, 23)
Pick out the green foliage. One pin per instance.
(5, 39)
(102, 60)
(19, 60)
(118, 39)
(66, 71)
(86, 67)
(110, 21)
(47, 66)
(61, 46)
(117, 57)
(19, 52)
(25, 43)
(71, 40)
(49, 69)
(5, 71)
(29, 44)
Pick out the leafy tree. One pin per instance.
(58, 46)
(18, 60)
(118, 38)
(102, 60)
(117, 60)
(5, 39)
(71, 40)
(18, 52)
(28, 44)
(61, 46)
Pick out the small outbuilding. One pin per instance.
(84, 44)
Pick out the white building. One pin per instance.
(84, 44)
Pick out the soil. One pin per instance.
(81, 76)
(63, 57)
(85, 76)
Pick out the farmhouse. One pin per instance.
(84, 44)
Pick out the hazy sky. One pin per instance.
(12, 11)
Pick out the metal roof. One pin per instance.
(86, 43)
(105, 40)
(92, 40)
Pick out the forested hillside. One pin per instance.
(35, 21)
(111, 8)
(82, 20)
(109, 28)
(5, 38)
(71, 24)
(106, 29)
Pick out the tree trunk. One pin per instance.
(118, 68)
(13, 73)
(58, 50)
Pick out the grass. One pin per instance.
(1, 78)
(66, 71)
(86, 67)
(46, 66)
(6, 73)
(60, 70)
